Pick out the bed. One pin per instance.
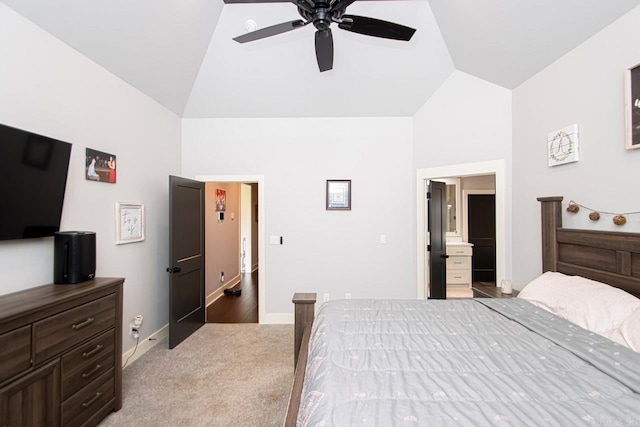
(483, 361)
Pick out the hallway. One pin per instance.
(237, 309)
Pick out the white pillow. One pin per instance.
(630, 330)
(592, 305)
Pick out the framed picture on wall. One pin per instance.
(632, 104)
(129, 222)
(100, 166)
(339, 194)
(221, 200)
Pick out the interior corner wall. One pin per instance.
(49, 88)
(584, 87)
(333, 252)
(222, 242)
(467, 120)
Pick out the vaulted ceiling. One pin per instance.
(181, 52)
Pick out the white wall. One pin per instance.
(467, 120)
(324, 251)
(49, 88)
(482, 182)
(585, 87)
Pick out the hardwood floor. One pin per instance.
(489, 290)
(237, 309)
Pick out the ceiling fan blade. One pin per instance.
(270, 31)
(376, 28)
(324, 49)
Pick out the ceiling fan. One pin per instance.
(321, 13)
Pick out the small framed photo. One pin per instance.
(632, 104)
(100, 166)
(339, 194)
(129, 222)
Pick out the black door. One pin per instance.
(186, 245)
(437, 227)
(482, 233)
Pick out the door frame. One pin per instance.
(491, 167)
(262, 260)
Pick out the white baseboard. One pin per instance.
(145, 345)
(277, 319)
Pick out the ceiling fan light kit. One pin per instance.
(321, 13)
(250, 25)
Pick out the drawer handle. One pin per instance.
(82, 324)
(457, 262)
(91, 372)
(457, 277)
(92, 400)
(88, 354)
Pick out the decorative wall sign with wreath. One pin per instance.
(562, 146)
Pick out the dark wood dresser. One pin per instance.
(61, 354)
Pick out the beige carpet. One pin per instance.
(223, 375)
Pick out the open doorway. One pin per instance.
(232, 219)
(491, 170)
(231, 237)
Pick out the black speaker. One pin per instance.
(74, 258)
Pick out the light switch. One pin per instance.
(383, 239)
(274, 240)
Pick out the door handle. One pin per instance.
(444, 256)
(174, 270)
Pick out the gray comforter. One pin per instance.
(467, 362)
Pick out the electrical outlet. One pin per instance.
(222, 276)
(347, 296)
(134, 326)
(325, 298)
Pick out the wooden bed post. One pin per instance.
(304, 314)
(551, 208)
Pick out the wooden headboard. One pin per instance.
(606, 256)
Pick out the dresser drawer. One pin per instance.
(455, 277)
(458, 263)
(57, 333)
(87, 362)
(459, 250)
(80, 407)
(15, 352)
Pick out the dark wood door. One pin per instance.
(482, 233)
(437, 227)
(186, 234)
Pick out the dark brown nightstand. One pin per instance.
(481, 290)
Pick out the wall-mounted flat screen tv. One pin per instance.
(33, 177)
